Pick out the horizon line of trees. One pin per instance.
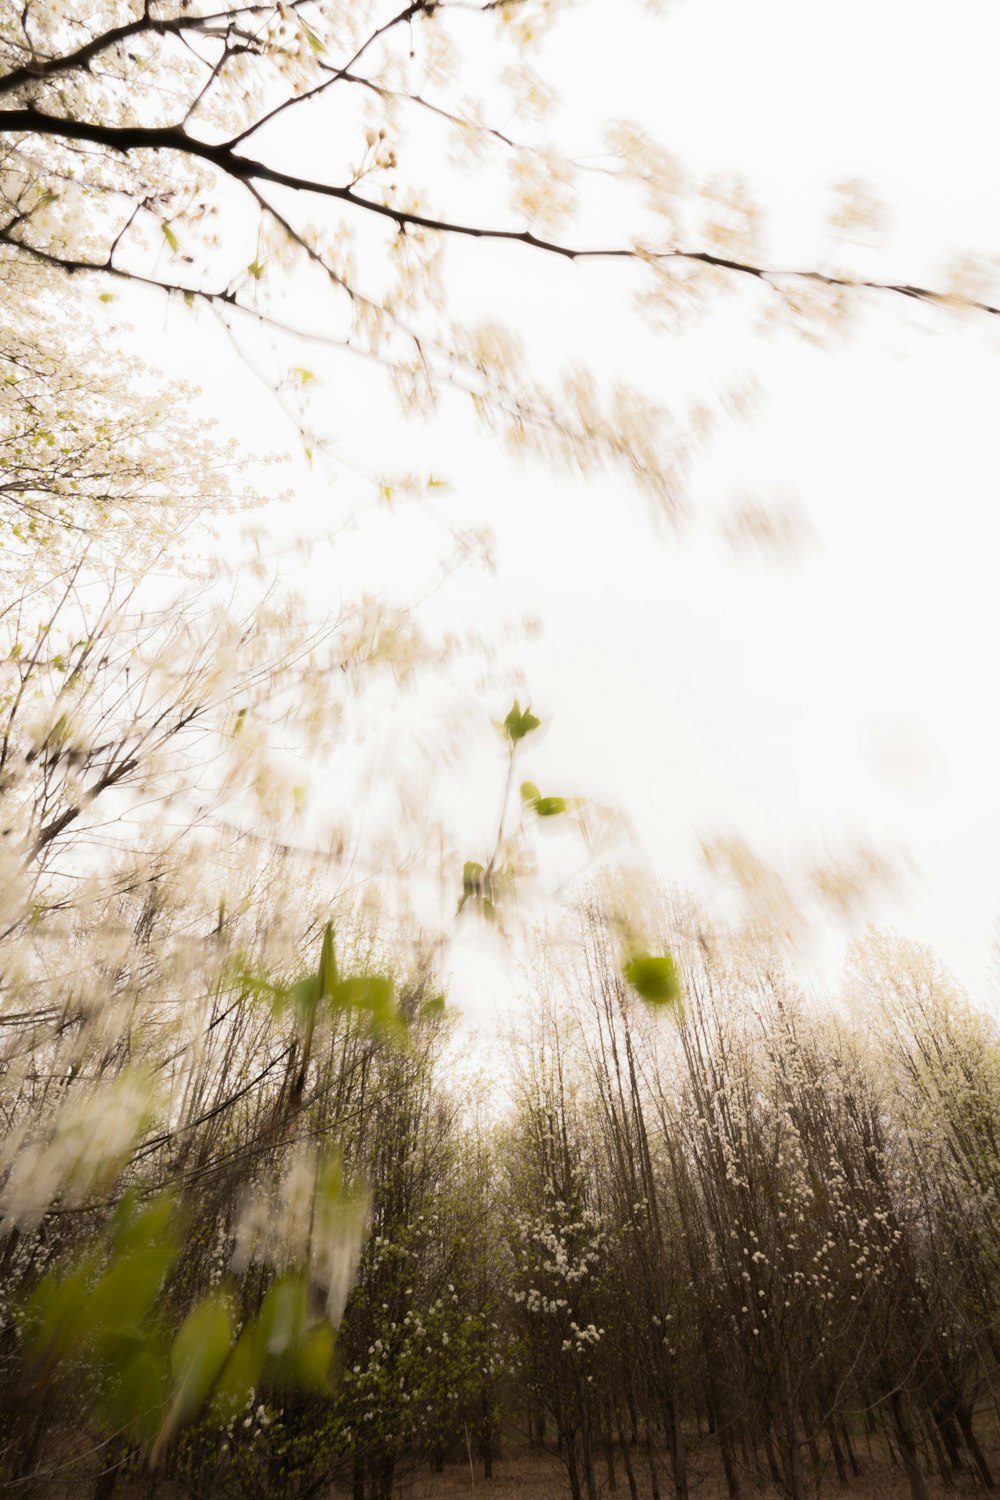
(733, 1241)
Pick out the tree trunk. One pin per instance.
(944, 1468)
(608, 1439)
(838, 1453)
(587, 1453)
(568, 1443)
(945, 1418)
(728, 1465)
(907, 1450)
(105, 1482)
(852, 1457)
(626, 1456)
(816, 1460)
(972, 1447)
(678, 1451)
(654, 1478)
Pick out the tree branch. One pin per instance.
(124, 139)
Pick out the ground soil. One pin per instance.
(523, 1473)
(526, 1474)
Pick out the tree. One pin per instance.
(182, 1037)
(163, 1038)
(227, 152)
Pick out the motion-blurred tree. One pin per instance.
(171, 147)
(227, 151)
(161, 1043)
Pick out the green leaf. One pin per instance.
(329, 1186)
(278, 996)
(304, 995)
(370, 993)
(256, 269)
(153, 1224)
(197, 1356)
(518, 724)
(170, 237)
(472, 882)
(529, 792)
(129, 1288)
(302, 375)
(310, 1361)
(327, 964)
(106, 297)
(134, 1395)
(55, 1320)
(239, 1376)
(298, 1353)
(550, 807)
(655, 979)
(283, 1315)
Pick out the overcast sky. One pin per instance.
(842, 688)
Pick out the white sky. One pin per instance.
(845, 690)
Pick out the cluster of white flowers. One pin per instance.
(582, 1338)
(87, 1140)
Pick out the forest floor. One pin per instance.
(526, 1474)
(523, 1473)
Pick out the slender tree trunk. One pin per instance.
(626, 1456)
(387, 1471)
(964, 1417)
(772, 1462)
(105, 1482)
(748, 1447)
(907, 1450)
(654, 1478)
(792, 1466)
(678, 1450)
(728, 1464)
(944, 1468)
(536, 1427)
(28, 1430)
(568, 1443)
(838, 1453)
(587, 1453)
(852, 1457)
(791, 1448)
(609, 1450)
(944, 1416)
(816, 1461)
